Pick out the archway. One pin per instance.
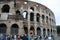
(14, 29)
(31, 9)
(31, 16)
(17, 12)
(48, 32)
(46, 19)
(25, 14)
(3, 28)
(43, 17)
(32, 28)
(38, 31)
(25, 29)
(44, 32)
(51, 31)
(37, 17)
(5, 8)
(32, 31)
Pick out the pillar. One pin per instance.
(35, 31)
(45, 21)
(41, 32)
(8, 29)
(49, 31)
(46, 32)
(20, 29)
(28, 21)
(35, 24)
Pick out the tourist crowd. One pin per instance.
(23, 37)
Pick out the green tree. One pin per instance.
(58, 29)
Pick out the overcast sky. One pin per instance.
(54, 5)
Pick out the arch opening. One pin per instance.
(46, 19)
(25, 14)
(38, 31)
(51, 30)
(14, 29)
(43, 17)
(32, 31)
(25, 30)
(31, 9)
(31, 16)
(38, 17)
(31, 28)
(3, 28)
(17, 12)
(5, 8)
(44, 32)
(48, 31)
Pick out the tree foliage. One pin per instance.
(58, 29)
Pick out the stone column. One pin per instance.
(8, 29)
(46, 32)
(45, 21)
(21, 29)
(28, 24)
(41, 32)
(50, 31)
(35, 23)
(40, 17)
(35, 30)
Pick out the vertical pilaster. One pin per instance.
(35, 25)
(41, 32)
(21, 28)
(46, 32)
(28, 20)
(35, 31)
(19, 31)
(8, 29)
(45, 20)
(50, 31)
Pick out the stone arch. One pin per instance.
(49, 14)
(50, 20)
(43, 17)
(44, 32)
(48, 31)
(25, 14)
(5, 8)
(38, 31)
(51, 30)
(25, 30)
(31, 16)
(3, 28)
(32, 28)
(17, 12)
(46, 19)
(32, 31)
(37, 17)
(32, 8)
(14, 29)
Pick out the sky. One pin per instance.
(54, 5)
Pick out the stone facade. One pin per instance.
(27, 15)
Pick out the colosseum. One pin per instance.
(26, 17)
